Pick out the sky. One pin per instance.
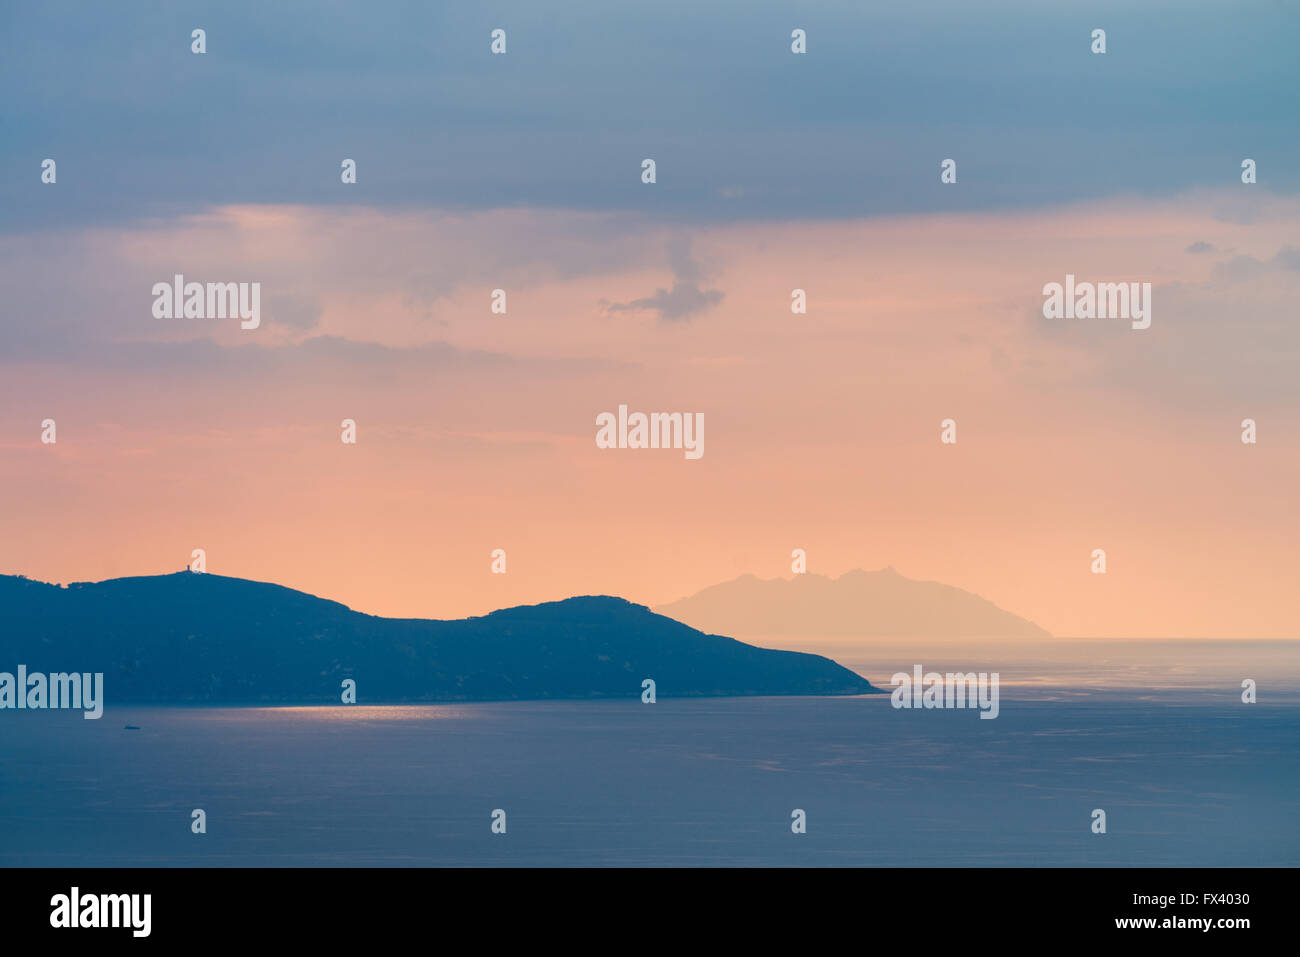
(774, 172)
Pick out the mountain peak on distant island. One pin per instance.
(203, 638)
(860, 603)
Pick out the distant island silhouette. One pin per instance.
(190, 638)
(859, 603)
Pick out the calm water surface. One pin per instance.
(1186, 773)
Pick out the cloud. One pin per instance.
(1214, 344)
(1241, 268)
(354, 272)
(302, 312)
(1288, 257)
(433, 120)
(685, 299)
(1200, 246)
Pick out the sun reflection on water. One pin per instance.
(358, 712)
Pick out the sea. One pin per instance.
(1155, 734)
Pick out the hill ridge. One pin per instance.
(187, 637)
(857, 603)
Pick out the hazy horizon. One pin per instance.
(814, 639)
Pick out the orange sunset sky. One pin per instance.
(1169, 157)
(476, 431)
